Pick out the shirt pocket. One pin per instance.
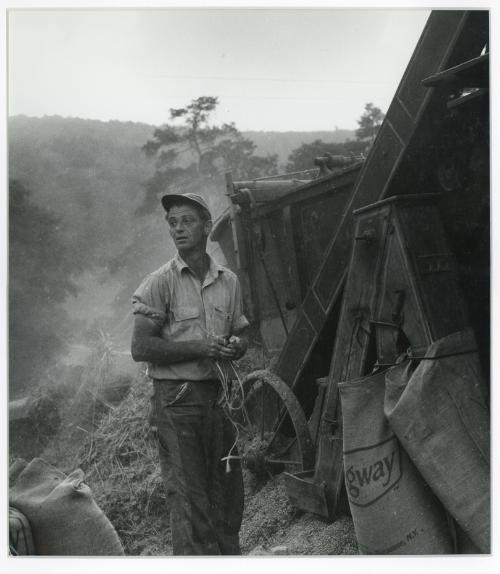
(185, 323)
(220, 321)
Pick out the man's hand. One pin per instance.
(216, 348)
(238, 345)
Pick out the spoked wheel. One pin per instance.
(275, 435)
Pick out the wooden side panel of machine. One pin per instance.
(313, 222)
(446, 39)
(275, 283)
(351, 344)
(435, 271)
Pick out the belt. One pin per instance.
(191, 392)
(177, 381)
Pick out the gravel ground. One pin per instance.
(270, 521)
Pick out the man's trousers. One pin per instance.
(205, 501)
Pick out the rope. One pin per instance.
(231, 403)
(435, 358)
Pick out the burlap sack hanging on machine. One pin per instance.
(393, 510)
(439, 413)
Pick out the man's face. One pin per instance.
(187, 228)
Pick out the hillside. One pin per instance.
(87, 172)
(126, 138)
(90, 175)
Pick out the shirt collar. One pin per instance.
(180, 263)
(214, 269)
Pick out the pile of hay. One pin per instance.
(81, 407)
(121, 464)
(113, 445)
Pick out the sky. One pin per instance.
(272, 69)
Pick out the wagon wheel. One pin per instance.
(275, 434)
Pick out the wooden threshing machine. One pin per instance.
(344, 272)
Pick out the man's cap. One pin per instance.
(170, 198)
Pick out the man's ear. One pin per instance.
(208, 227)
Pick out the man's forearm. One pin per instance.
(162, 352)
(154, 349)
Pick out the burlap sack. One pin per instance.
(440, 415)
(15, 469)
(393, 510)
(64, 518)
(20, 535)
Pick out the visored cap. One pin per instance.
(170, 198)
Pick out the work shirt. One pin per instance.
(186, 310)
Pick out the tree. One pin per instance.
(302, 158)
(189, 155)
(369, 123)
(41, 272)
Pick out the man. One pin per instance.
(188, 315)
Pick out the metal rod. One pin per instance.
(273, 291)
(262, 391)
(278, 427)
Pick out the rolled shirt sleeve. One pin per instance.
(151, 299)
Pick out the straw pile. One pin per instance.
(80, 407)
(113, 445)
(121, 465)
